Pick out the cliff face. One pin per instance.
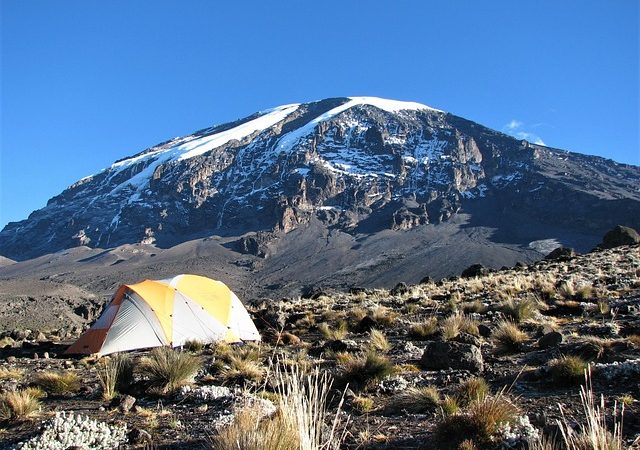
(358, 164)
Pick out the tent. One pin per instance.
(169, 312)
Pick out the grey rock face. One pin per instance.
(618, 236)
(359, 165)
(439, 355)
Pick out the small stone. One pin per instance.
(484, 330)
(138, 436)
(366, 324)
(35, 356)
(41, 337)
(551, 339)
(11, 359)
(45, 355)
(126, 403)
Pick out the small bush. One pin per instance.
(425, 329)
(415, 400)
(58, 382)
(472, 390)
(168, 369)
(508, 338)
(568, 370)
(16, 406)
(378, 341)
(361, 370)
(115, 374)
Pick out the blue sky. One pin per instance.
(85, 82)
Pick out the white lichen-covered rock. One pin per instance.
(69, 429)
(624, 369)
(393, 385)
(204, 394)
(513, 434)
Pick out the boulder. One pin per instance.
(551, 339)
(440, 355)
(475, 270)
(399, 289)
(618, 236)
(561, 254)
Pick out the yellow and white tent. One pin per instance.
(169, 312)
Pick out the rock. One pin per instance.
(551, 339)
(393, 385)
(272, 316)
(35, 356)
(290, 339)
(439, 355)
(366, 324)
(561, 254)
(475, 270)
(45, 355)
(467, 338)
(618, 236)
(408, 350)
(138, 436)
(399, 289)
(426, 280)
(20, 335)
(11, 359)
(345, 345)
(85, 311)
(484, 330)
(41, 337)
(126, 402)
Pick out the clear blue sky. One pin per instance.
(87, 82)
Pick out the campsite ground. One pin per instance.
(407, 354)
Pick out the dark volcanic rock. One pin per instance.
(439, 355)
(620, 235)
(475, 270)
(551, 339)
(561, 254)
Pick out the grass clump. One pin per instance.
(243, 366)
(508, 338)
(167, 369)
(457, 323)
(362, 404)
(16, 406)
(415, 400)
(58, 383)
(449, 405)
(334, 334)
(384, 316)
(520, 310)
(9, 373)
(363, 369)
(472, 390)
(378, 341)
(424, 329)
(193, 346)
(568, 370)
(115, 374)
(479, 422)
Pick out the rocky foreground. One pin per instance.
(491, 359)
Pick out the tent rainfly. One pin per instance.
(169, 312)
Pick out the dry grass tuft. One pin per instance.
(11, 373)
(338, 333)
(508, 338)
(361, 370)
(472, 390)
(415, 400)
(568, 369)
(16, 406)
(457, 323)
(384, 316)
(520, 310)
(115, 374)
(58, 382)
(362, 404)
(425, 329)
(378, 341)
(167, 369)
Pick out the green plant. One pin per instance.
(115, 374)
(568, 369)
(58, 382)
(449, 405)
(362, 404)
(16, 406)
(508, 338)
(361, 370)
(167, 369)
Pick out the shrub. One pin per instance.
(472, 390)
(568, 369)
(115, 374)
(378, 341)
(58, 382)
(16, 406)
(508, 338)
(168, 369)
(361, 370)
(424, 329)
(415, 400)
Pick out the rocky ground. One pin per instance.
(493, 357)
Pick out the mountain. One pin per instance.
(341, 191)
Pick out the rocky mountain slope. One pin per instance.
(359, 166)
